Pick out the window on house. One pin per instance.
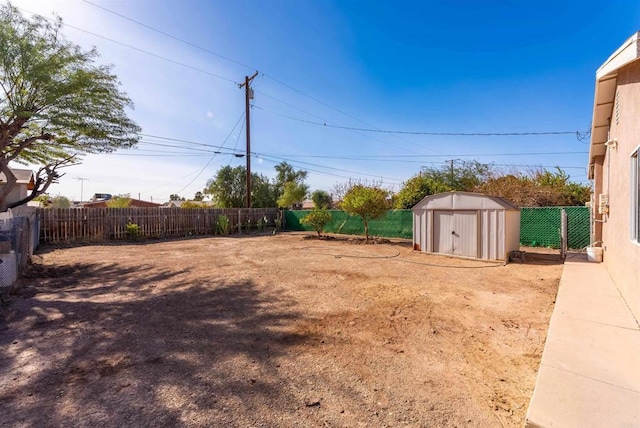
(635, 196)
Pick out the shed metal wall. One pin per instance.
(492, 234)
(512, 231)
(498, 223)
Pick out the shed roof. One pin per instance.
(605, 93)
(463, 201)
(24, 176)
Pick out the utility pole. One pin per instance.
(451, 172)
(248, 95)
(82, 180)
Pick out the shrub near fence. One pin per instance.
(98, 224)
(538, 226)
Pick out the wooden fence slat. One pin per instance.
(95, 224)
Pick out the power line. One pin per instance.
(195, 149)
(332, 168)
(375, 157)
(581, 136)
(178, 140)
(135, 48)
(461, 134)
(171, 36)
(325, 121)
(373, 129)
(212, 157)
(164, 33)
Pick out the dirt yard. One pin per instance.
(271, 331)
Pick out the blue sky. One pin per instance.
(454, 66)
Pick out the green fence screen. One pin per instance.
(395, 224)
(538, 226)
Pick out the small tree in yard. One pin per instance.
(56, 103)
(369, 203)
(317, 219)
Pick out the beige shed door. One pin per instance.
(455, 232)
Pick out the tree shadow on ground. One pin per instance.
(103, 345)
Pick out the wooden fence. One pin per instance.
(59, 225)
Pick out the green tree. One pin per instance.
(416, 188)
(459, 175)
(174, 197)
(263, 194)
(294, 193)
(60, 202)
(285, 173)
(228, 189)
(57, 103)
(538, 188)
(193, 204)
(318, 219)
(369, 203)
(198, 196)
(321, 199)
(120, 201)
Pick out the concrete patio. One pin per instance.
(589, 375)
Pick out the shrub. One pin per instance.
(223, 225)
(317, 219)
(133, 230)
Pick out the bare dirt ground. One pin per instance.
(272, 331)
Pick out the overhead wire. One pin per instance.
(335, 169)
(182, 64)
(231, 60)
(431, 133)
(325, 123)
(214, 155)
(171, 36)
(579, 135)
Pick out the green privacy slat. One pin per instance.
(538, 226)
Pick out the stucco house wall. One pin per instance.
(611, 173)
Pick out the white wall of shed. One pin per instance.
(513, 232)
(491, 233)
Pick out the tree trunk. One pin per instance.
(9, 184)
(366, 229)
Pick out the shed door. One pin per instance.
(455, 232)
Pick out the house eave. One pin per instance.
(605, 92)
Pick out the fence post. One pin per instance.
(563, 234)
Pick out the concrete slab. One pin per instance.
(589, 375)
(572, 400)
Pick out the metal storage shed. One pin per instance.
(466, 224)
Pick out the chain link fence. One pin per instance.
(539, 227)
(18, 240)
(395, 224)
